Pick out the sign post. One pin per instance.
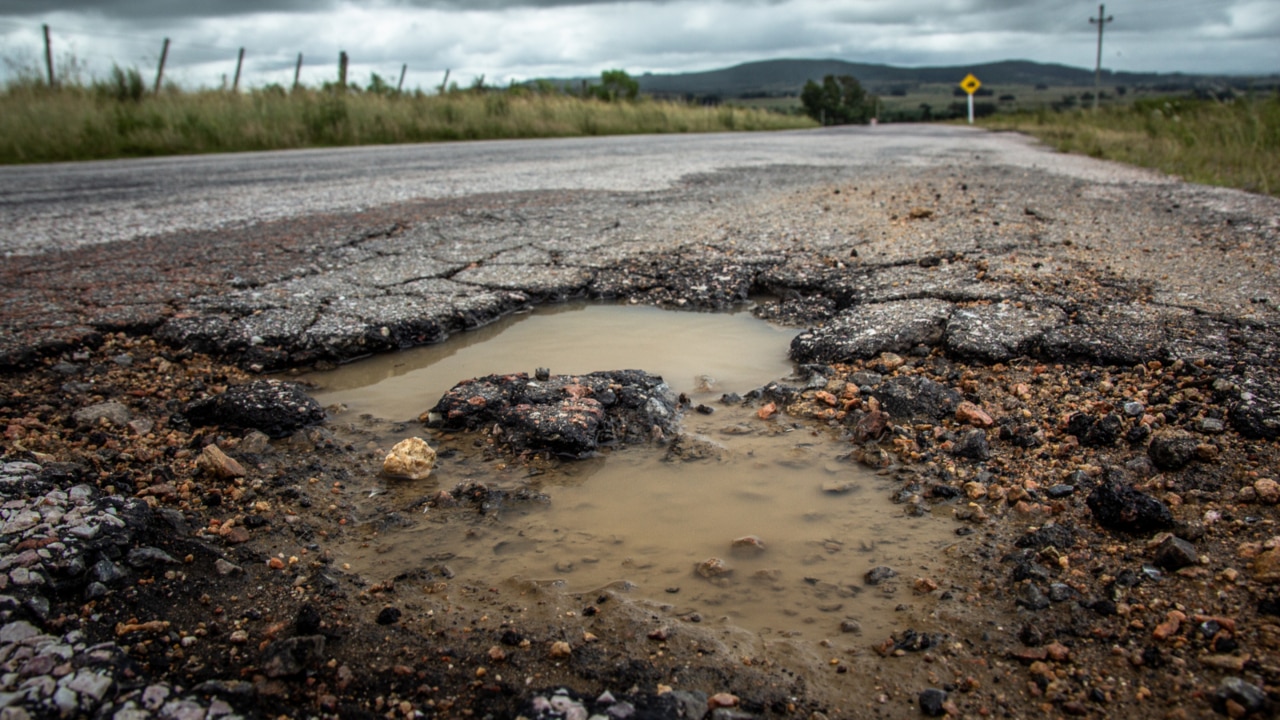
(970, 85)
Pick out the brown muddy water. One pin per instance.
(635, 520)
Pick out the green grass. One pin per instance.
(108, 121)
(1234, 143)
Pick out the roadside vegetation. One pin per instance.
(120, 116)
(1232, 142)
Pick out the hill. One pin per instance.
(786, 77)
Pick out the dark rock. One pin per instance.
(1029, 570)
(909, 398)
(1174, 553)
(1172, 450)
(1060, 491)
(931, 702)
(107, 572)
(972, 445)
(1058, 536)
(1245, 694)
(1024, 435)
(1119, 507)
(388, 616)
(292, 655)
(307, 621)
(273, 407)
(879, 574)
(148, 556)
(913, 641)
(1030, 596)
(1255, 419)
(1095, 432)
(569, 415)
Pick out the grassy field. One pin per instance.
(123, 120)
(1233, 143)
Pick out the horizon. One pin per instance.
(518, 40)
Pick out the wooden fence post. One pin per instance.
(400, 84)
(444, 84)
(297, 71)
(164, 55)
(342, 71)
(48, 56)
(235, 84)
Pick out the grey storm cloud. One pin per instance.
(517, 39)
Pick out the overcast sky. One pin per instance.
(519, 39)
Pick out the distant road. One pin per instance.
(61, 206)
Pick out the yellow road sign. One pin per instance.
(970, 84)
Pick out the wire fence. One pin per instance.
(80, 56)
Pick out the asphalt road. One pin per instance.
(67, 205)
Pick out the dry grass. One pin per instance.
(1234, 143)
(82, 123)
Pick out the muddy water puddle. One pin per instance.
(637, 520)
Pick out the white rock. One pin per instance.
(87, 682)
(411, 459)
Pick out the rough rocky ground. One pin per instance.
(1083, 372)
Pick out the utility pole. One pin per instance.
(400, 84)
(48, 56)
(297, 71)
(1100, 21)
(164, 55)
(235, 84)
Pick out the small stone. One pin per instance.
(1172, 450)
(410, 459)
(925, 585)
(560, 649)
(713, 567)
(292, 655)
(879, 574)
(973, 445)
(1268, 491)
(1174, 553)
(767, 411)
(388, 616)
(748, 543)
(218, 464)
(931, 701)
(970, 413)
(224, 567)
(148, 557)
(722, 700)
(1266, 567)
(1249, 697)
(113, 413)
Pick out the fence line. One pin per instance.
(74, 62)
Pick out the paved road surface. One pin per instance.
(66, 205)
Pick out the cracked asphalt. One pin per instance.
(878, 238)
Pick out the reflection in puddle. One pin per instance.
(715, 352)
(635, 518)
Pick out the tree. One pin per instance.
(838, 101)
(616, 85)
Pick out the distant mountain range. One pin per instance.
(787, 77)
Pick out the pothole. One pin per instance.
(809, 523)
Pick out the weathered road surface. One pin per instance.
(289, 258)
(1113, 332)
